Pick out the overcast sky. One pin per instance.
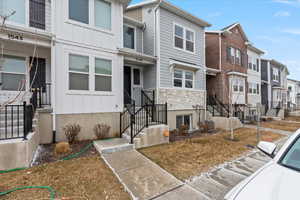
(272, 25)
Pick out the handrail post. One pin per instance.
(147, 117)
(24, 121)
(131, 128)
(166, 113)
(40, 97)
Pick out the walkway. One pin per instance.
(220, 180)
(142, 178)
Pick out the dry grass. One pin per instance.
(281, 125)
(82, 178)
(293, 118)
(185, 159)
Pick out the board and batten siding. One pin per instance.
(168, 52)
(87, 40)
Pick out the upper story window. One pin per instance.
(18, 13)
(183, 79)
(184, 38)
(253, 64)
(253, 88)
(16, 9)
(79, 10)
(275, 75)
(129, 37)
(238, 85)
(234, 56)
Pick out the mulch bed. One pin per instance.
(47, 155)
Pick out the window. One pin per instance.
(7, 7)
(78, 72)
(178, 76)
(257, 65)
(184, 38)
(235, 56)
(179, 41)
(103, 14)
(238, 57)
(275, 75)
(291, 159)
(136, 76)
(237, 85)
(250, 62)
(183, 79)
(184, 120)
(12, 73)
(253, 88)
(103, 75)
(79, 10)
(129, 37)
(190, 41)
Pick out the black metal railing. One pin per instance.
(216, 107)
(142, 118)
(41, 96)
(16, 121)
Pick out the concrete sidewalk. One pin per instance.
(142, 178)
(288, 133)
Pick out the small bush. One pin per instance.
(62, 148)
(71, 132)
(183, 129)
(101, 131)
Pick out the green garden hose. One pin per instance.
(50, 189)
(11, 170)
(87, 147)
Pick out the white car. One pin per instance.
(279, 179)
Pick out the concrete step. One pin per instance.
(113, 145)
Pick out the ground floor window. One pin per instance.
(184, 120)
(253, 88)
(12, 73)
(238, 84)
(183, 79)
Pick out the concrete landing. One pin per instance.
(141, 177)
(112, 145)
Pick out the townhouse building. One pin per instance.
(226, 60)
(274, 84)
(254, 76)
(176, 39)
(293, 94)
(87, 61)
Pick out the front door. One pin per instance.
(127, 85)
(137, 85)
(38, 73)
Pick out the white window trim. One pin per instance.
(183, 79)
(91, 25)
(239, 81)
(184, 38)
(276, 76)
(141, 76)
(135, 36)
(98, 74)
(254, 84)
(92, 74)
(191, 120)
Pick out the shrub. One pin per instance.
(62, 148)
(101, 131)
(183, 129)
(71, 132)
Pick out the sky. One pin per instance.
(271, 25)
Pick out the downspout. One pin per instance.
(220, 52)
(156, 43)
(53, 71)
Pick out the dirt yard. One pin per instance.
(292, 118)
(189, 158)
(281, 125)
(76, 179)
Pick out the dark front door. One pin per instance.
(127, 85)
(38, 73)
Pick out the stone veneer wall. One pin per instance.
(87, 123)
(180, 99)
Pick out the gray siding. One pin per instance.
(149, 76)
(168, 52)
(149, 18)
(264, 70)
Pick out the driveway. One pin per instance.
(220, 180)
